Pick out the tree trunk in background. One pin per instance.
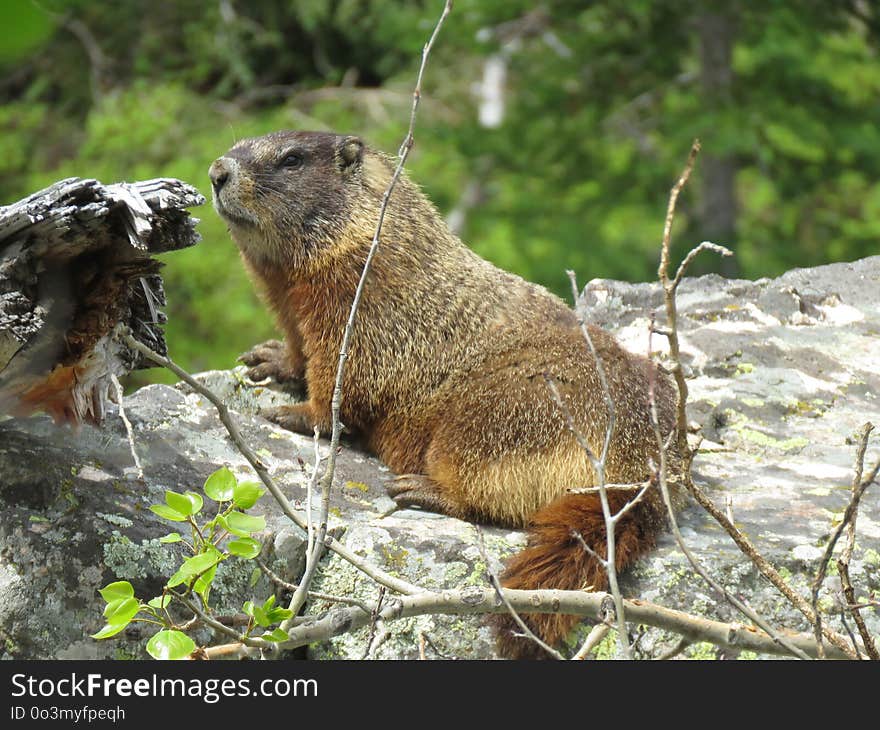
(718, 210)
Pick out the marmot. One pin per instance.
(446, 378)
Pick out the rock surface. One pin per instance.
(782, 373)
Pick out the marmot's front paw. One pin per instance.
(271, 360)
(296, 418)
(417, 490)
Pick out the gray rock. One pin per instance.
(781, 374)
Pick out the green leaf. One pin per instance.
(243, 525)
(193, 566)
(202, 585)
(159, 602)
(276, 615)
(123, 611)
(255, 577)
(171, 537)
(115, 591)
(108, 631)
(278, 634)
(113, 605)
(248, 608)
(200, 563)
(170, 644)
(246, 494)
(196, 500)
(179, 502)
(177, 579)
(261, 617)
(269, 602)
(245, 547)
(220, 486)
(168, 513)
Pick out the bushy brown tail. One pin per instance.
(555, 558)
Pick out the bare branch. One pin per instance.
(609, 564)
(850, 598)
(336, 401)
(675, 650)
(313, 552)
(692, 254)
(669, 288)
(375, 623)
(766, 568)
(572, 427)
(493, 579)
(594, 638)
(425, 640)
(849, 518)
(378, 575)
(223, 628)
(603, 380)
(281, 583)
(117, 387)
(476, 600)
(670, 211)
(695, 564)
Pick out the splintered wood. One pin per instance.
(76, 269)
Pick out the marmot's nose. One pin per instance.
(219, 173)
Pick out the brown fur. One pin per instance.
(446, 372)
(555, 558)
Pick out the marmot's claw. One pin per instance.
(269, 360)
(266, 351)
(291, 418)
(417, 490)
(261, 372)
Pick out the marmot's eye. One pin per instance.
(292, 161)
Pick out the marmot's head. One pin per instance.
(287, 196)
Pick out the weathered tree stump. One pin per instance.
(76, 268)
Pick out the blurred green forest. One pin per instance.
(550, 132)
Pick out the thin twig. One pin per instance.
(117, 387)
(313, 546)
(425, 639)
(765, 567)
(229, 652)
(336, 401)
(611, 488)
(594, 638)
(374, 624)
(695, 564)
(493, 579)
(849, 517)
(849, 594)
(849, 633)
(598, 464)
(669, 289)
(680, 646)
(378, 575)
(223, 628)
(310, 488)
(281, 583)
(682, 447)
(600, 370)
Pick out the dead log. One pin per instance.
(76, 268)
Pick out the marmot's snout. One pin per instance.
(219, 174)
(229, 196)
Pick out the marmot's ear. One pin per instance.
(349, 152)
